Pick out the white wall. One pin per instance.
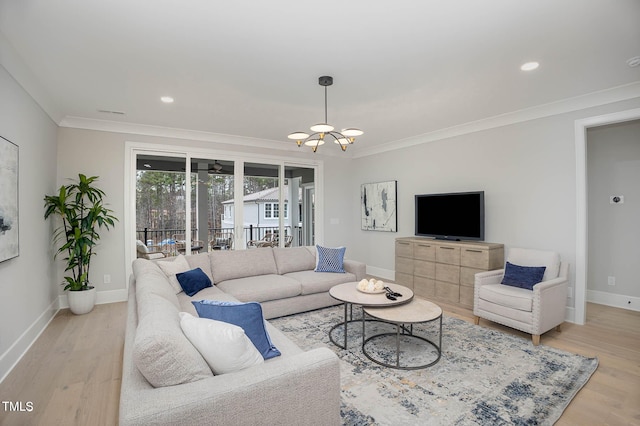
(613, 167)
(527, 170)
(27, 283)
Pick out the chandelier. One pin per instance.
(322, 130)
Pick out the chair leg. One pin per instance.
(536, 339)
(476, 320)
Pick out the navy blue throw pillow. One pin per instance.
(245, 315)
(193, 281)
(523, 276)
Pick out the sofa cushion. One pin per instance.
(193, 281)
(261, 288)
(312, 282)
(245, 315)
(202, 261)
(224, 346)
(528, 257)
(151, 280)
(504, 295)
(161, 351)
(232, 264)
(173, 267)
(209, 293)
(330, 259)
(293, 259)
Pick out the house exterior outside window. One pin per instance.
(272, 211)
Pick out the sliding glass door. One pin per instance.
(300, 188)
(193, 203)
(212, 219)
(160, 214)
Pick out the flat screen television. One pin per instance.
(452, 216)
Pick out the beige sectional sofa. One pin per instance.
(165, 380)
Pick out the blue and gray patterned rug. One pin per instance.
(485, 377)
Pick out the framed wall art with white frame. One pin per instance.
(9, 241)
(378, 205)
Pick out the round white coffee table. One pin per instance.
(350, 295)
(418, 311)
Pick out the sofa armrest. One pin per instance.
(300, 389)
(488, 277)
(549, 302)
(359, 269)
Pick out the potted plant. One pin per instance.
(80, 207)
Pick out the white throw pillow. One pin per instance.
(224, 346)
(170, 269)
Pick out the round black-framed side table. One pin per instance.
(416, 312)
(349, 294)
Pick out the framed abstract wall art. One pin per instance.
(9, 242)
(378, 206)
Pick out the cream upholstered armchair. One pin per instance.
(536, 310)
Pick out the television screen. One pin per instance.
(452, 216)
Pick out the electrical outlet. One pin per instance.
(611, 280)
(107, 279)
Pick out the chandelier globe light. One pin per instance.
(320, 131)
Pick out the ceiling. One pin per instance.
(251, 69)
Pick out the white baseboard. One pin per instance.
(570, 314)
(14, 354)
(615, 300)
(386, 274)
(110, 296)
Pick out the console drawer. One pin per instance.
(424, 251)
(404, 248)
(446, 254)
(424, 269)
(448, 273)
(466, 296)
(424, 287)
(468, 276)
(404, 264)
(474, 258)
(404, 279)
(448, 292)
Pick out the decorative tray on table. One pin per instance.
(371, 286)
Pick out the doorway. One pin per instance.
(581, 126)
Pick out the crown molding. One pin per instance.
(177, 133)
(170, 132)
(589, 100)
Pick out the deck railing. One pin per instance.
(164, 239)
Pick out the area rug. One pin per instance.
(484, 377)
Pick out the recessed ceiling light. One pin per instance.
(529, 66)
(167, 99)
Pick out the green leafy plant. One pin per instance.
(80, 207)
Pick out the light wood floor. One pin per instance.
(72, 373)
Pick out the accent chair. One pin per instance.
(530, 294)
(143, 251)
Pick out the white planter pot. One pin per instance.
(81, 302)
